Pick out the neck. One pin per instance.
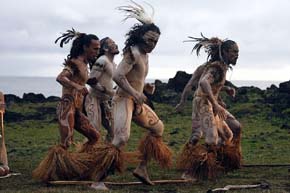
(141, 50)
(110, 56)
(83, 59)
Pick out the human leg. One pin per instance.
(93, 111)
(66, 120)
(152, 145)
(107, 119)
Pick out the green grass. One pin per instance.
(263, 143)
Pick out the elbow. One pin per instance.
(202, 83)
(116, 78)
(58, 79)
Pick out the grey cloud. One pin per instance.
(259, 26)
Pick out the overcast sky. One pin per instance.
(260, 27)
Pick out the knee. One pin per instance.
(94, 136)
(158, 129)
(211, 139)
(236, 129)
(120, 140)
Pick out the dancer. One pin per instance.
(98, 104)
(231, 121)
(60, 164)
(208, 116)
(4, 168)
(129, 99)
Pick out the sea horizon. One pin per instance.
(18, 85)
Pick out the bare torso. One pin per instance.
(216, 73)
(103, 72)
(137, 70)
(73, 79)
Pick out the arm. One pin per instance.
(2, 103)
(188, 87)
(229, 90)
(95, 75)
(64, 79)
(119, 77)
(192, 83)
(149, 88)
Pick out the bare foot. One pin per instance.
(99, 186)
(142, 175)
(188, 177)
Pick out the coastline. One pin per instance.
(47, 86)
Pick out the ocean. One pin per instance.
(49, 87)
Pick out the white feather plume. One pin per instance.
(138, 12)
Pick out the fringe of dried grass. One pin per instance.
(198, 162)
(59, 164)
(153, 147)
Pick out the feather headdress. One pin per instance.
(67, 36)
(138, 12)
(210, 45)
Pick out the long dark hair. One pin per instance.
(135, 35)
(80, 40)
(103, 46)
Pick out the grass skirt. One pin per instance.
(199, 162)
(60, 164)
(153, 147)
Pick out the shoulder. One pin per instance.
(72, 65)
(135, 52)
(131, 55)
(217, 69)
(100, 63)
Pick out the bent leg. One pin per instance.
(152, 145)
(66, 120)
(107, 119)
(225, 133)
(83, 125)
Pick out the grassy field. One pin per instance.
(263, 143)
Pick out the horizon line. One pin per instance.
(25, 76)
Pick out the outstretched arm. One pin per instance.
(188, 87)
(192, 83)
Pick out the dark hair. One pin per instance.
(80, 40)
(103, 46)
(78, 44)
(135, 35)
(216, 51)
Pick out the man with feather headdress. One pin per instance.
(129, 100)
(60, 163)
(221, 130)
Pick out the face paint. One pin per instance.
(150, 40)
(112, 46)
(232, 54)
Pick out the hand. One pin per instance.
(111, 93)
(140, 98)
(92, 81)
(83, 90)
(179, 107)
(231, 91)
(220, 111)
(149, 88)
